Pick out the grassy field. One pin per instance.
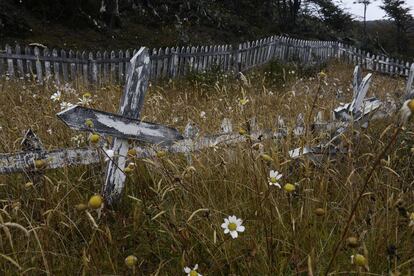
(171, 213)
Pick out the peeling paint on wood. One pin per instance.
(130, 107)
(77, 117)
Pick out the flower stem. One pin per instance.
(361, 194)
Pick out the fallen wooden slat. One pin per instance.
(21, 161)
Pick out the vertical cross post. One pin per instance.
(32, 143)
(408, 88)
(130, 106)
(360, 94)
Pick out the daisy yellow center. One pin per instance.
(273, 179)
(411, 105)
(193, 273)
(232, 226)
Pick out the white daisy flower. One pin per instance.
(192, 272)
(108, 154)
(406, 110)
(78, 140)
(203, 115)
(274, 177)
(233, 225)
(65, 105)
(84, 101)
(56, 96)
(411, 220)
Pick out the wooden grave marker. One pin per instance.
(124, 126)
(409, 90)
(358, 110)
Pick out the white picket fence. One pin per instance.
(110, 66)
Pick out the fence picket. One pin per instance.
(127, 64)
(179, 61)
(79, 67)
(72, 66)
(99, 72)
(120, 67)
(64, 66)
(19, 62)
(113, 67)
(48, 73)
(10, 65)
(85, 68)
(165, 63)
(56, 66)
(93, 72)
(105, 67)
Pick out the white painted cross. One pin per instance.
(359, 107)
(348, 113)
(409, 91)
(124, 126)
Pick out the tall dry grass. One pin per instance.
(171, 213)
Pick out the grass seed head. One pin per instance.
(266, 157)
(89, 123)
(132, 152)
(131, 261)
(95, 202)
(359, 260)
(94, 138)
(161, 154)
(81, 207)
(320, 212)
(353, 242)
(289, 188)
(40, 164)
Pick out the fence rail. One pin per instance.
(99, 67)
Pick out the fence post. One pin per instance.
(10, 62)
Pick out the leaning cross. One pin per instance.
(122, 127)
(354, 112)
(409, 91)
(360, 106)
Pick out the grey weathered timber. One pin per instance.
(39, 71)
(31, 143)
(117, 125)
(409, 92)
(59, 158)
(113, 67)
(48, 73)
(120, 67)
(23, 161)
(29, 71)
(56, 67)
(10, 65)
(19, 62)
(352, 111)
(65, 75)
(191, 132)
(85, 73)
(130, 106)
(355, 112)
(176, 62)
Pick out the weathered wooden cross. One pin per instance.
(123, 127)
(357, 111)
(360, 106)
(409, 91)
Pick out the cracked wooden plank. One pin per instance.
(131, 103)
(88, 119)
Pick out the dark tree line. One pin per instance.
(317, 19)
